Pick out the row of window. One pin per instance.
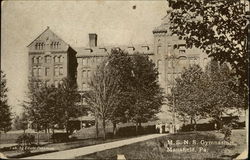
(37, 71)
(91, 60)
(41, 45)
(178, 63)
(47, 59)
(46, 83)
(181, 48)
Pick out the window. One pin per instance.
(39, 72)
(56, 71)
(169, 90)
(42, 45)
(61, 59)
(39, 59)
(84, 85)
(54, 45)
(84, 74)
(34, 72)
(61, 71)
(47, 59)
(56, 59)
(46, 71)
(56, 83)
(158, 49)
(34, 60)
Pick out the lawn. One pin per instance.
(12, 152)
(185, 145)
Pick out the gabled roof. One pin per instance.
(46, 31)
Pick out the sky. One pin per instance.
(115, 22)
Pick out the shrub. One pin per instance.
(60, 137)
(25, 141)
(227, 131)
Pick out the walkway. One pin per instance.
(72, 153)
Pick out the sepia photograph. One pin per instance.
(124, 79)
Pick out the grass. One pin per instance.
(54, 147)
(159, 148)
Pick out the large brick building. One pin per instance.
(51, 59)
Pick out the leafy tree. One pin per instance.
(103, 94)
(198, 94)
(5, 112)
(67, 98)
(147, 95)
(188, 93)
(120, 65)
(48, 106)
(220, 95)
(21, 122)
(217, 27)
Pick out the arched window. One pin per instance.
(36, 46)
(57, 45)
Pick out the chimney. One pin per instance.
(92, 40)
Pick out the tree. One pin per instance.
(103, 96)
(5, 112)
(188, 93)
(199, 94)
(21, 122)
(147, 95)
(220, 95)
(121, 66)
(217, 27)
(67, 98)
(48, 106)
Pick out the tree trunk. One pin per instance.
(104, 129)
(38, 138)
(136, 128)
(96, 127)
(53, 132)
(195, 125)
(114, 129)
